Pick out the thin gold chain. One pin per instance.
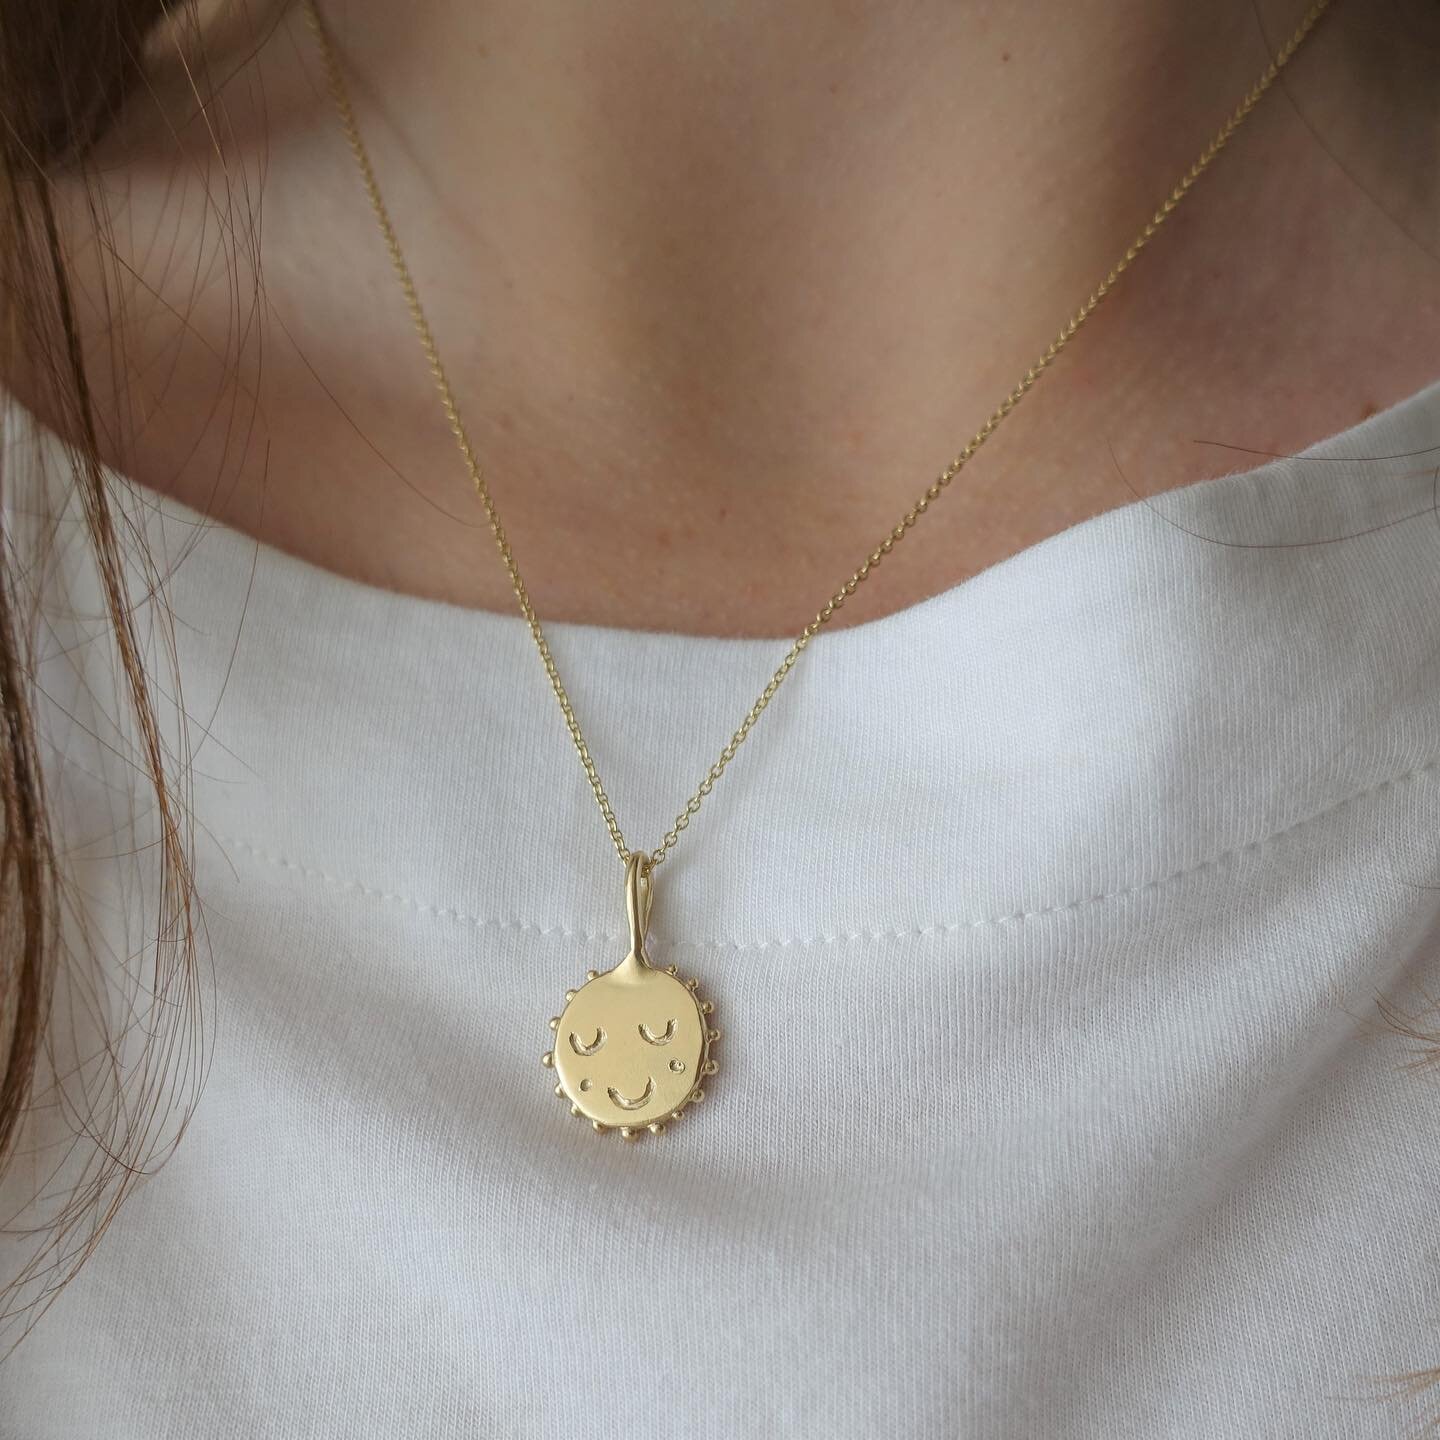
(340, 94)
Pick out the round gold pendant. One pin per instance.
(632, 1046)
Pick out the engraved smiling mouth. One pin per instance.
(624, 1101)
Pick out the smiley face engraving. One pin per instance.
(634, 1043)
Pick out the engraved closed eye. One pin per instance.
(589, 1049)
(646, 1033)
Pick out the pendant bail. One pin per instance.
(639, 894)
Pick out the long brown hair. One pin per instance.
(65, 70)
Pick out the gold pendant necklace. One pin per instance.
(632, 1046)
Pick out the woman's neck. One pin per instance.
(721, 289)
(770, 241)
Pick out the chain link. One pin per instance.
(339, 92)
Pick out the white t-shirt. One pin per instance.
(1045, 922)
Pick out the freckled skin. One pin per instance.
(614, 1006)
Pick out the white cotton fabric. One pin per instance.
(1045, 920)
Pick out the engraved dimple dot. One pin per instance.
(677, 1066)
(587, 1083)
